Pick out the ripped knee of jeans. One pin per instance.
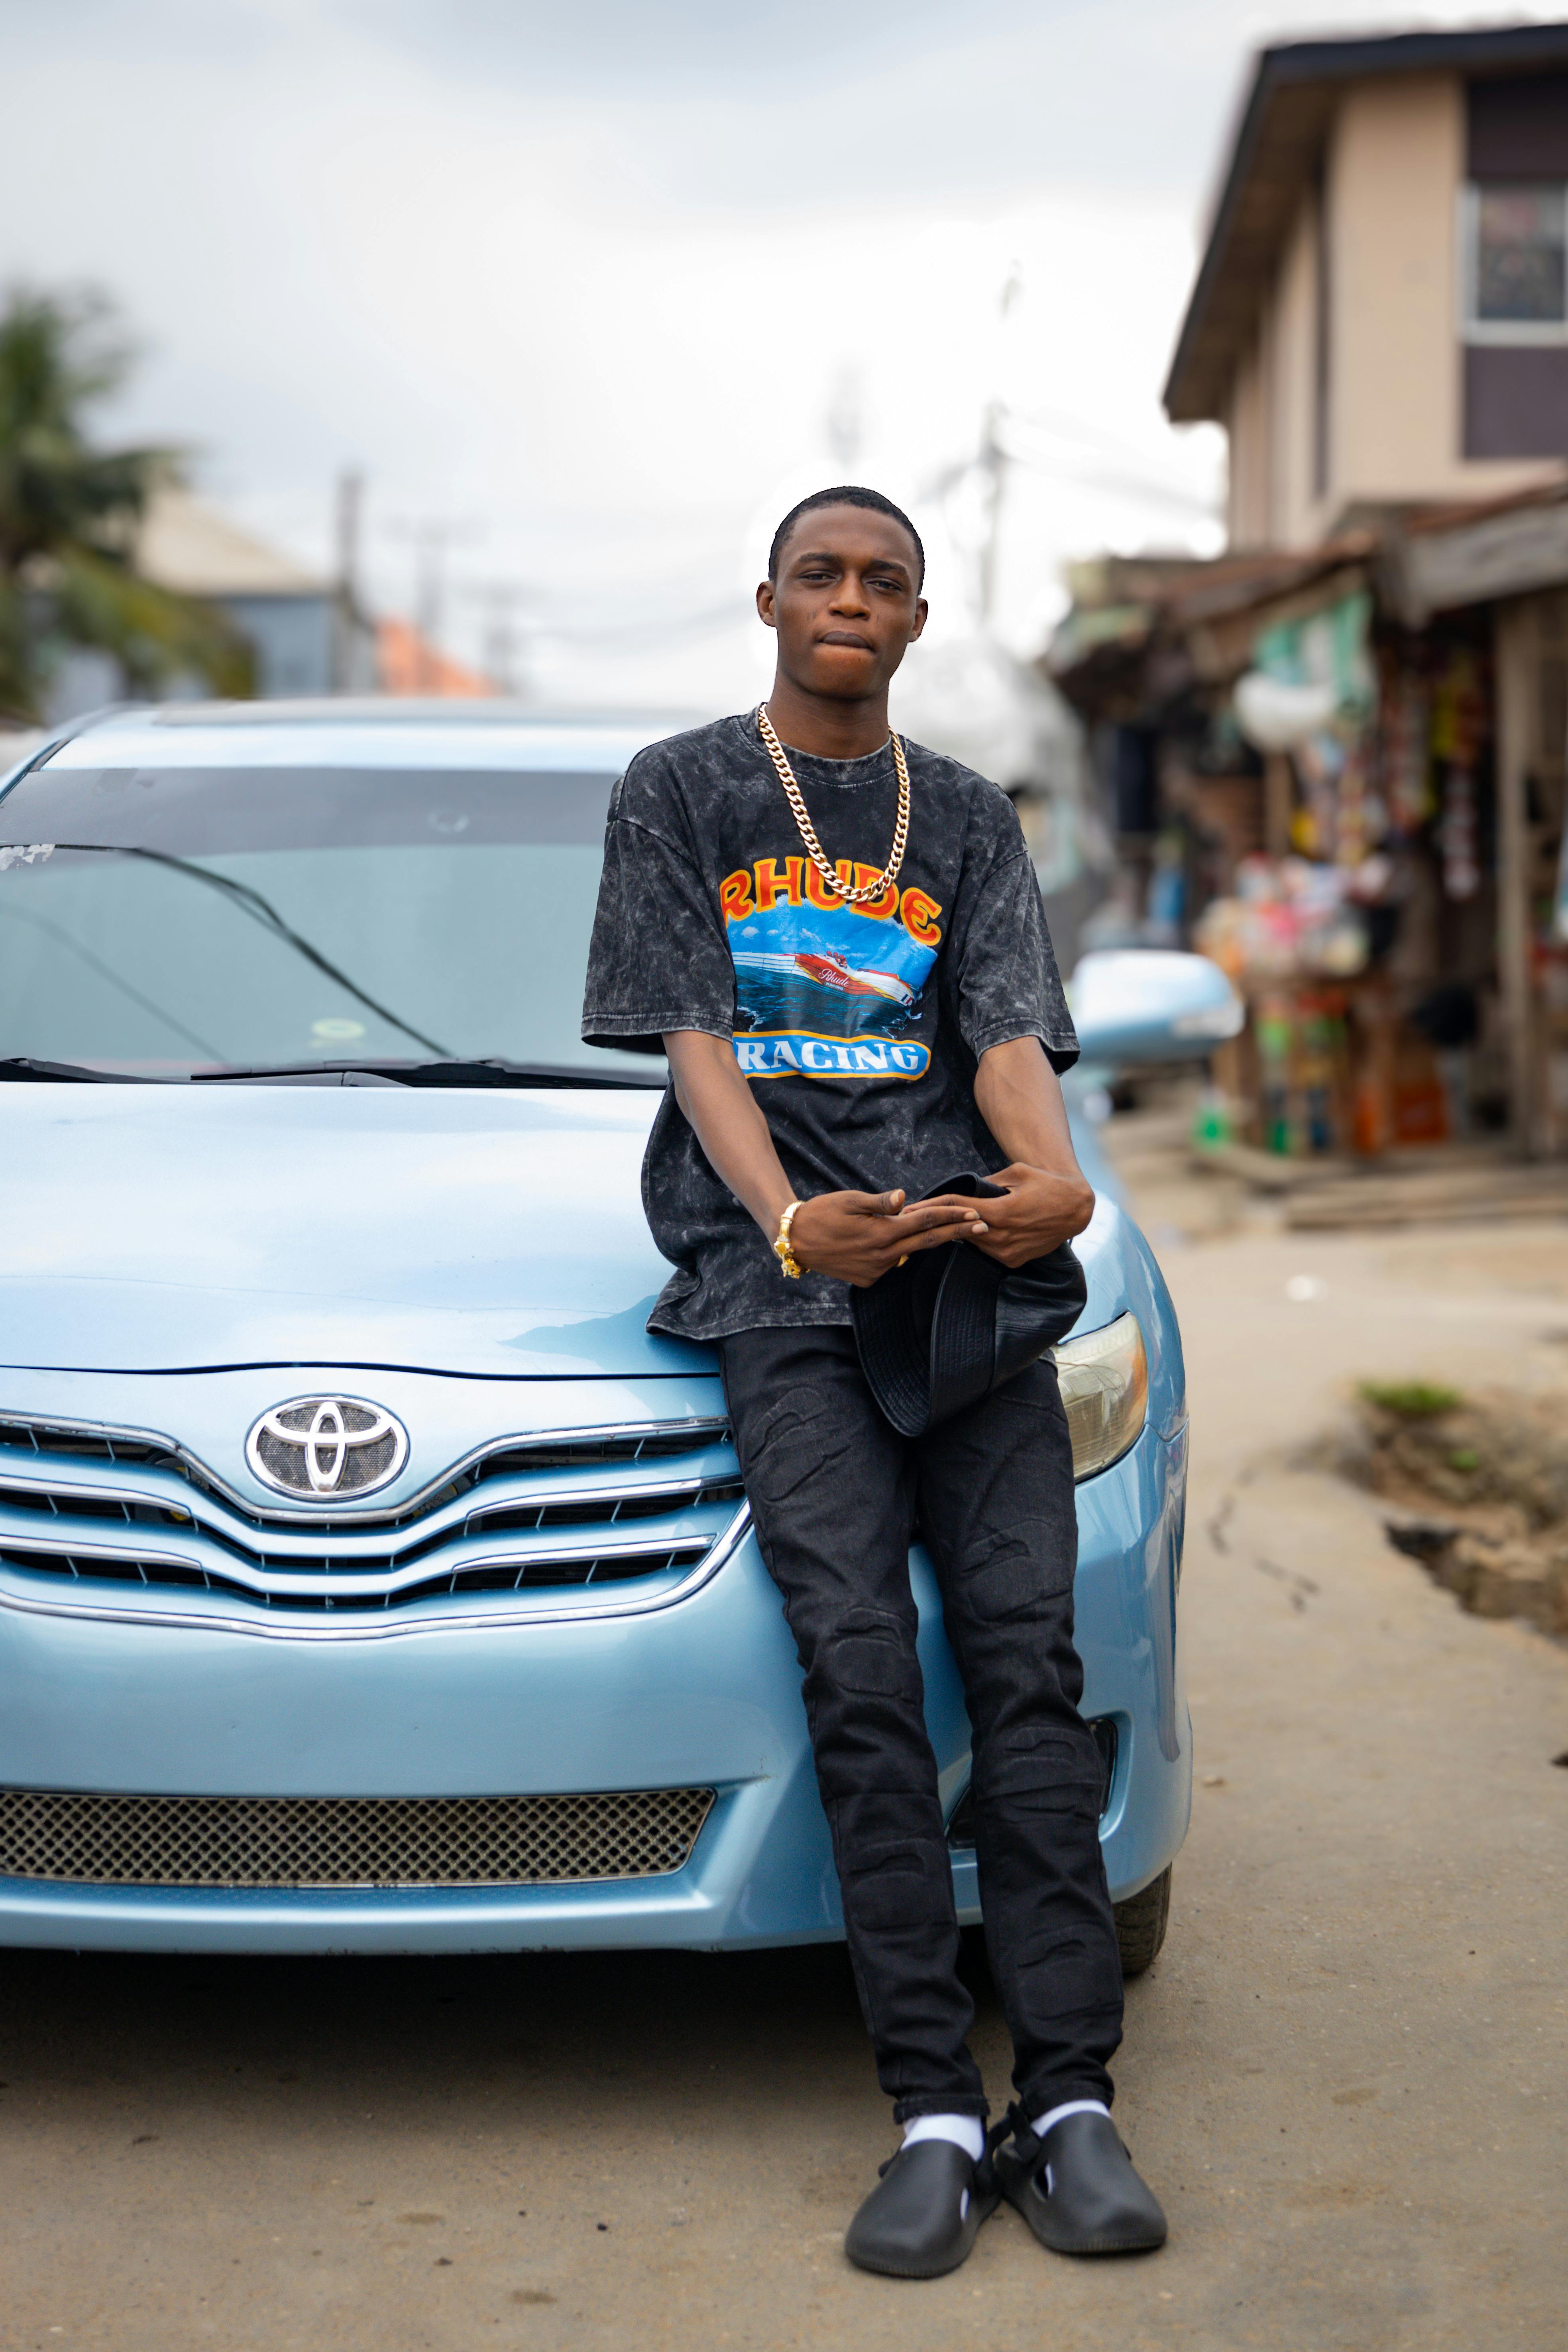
(1045, 1769)
(902, 1886)
(873, 1655)
(795, 1441)
(1015, 1572)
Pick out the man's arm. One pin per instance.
(1019, 1096)
(854, 1235)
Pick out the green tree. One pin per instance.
(68, 516)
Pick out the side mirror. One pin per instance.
(1150, 1004)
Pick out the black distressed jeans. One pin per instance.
(835, 1495)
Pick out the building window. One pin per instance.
(1516, 263)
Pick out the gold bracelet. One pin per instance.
(788, 1262)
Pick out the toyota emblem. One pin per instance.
(321, 1448)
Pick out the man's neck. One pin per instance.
(829, 729)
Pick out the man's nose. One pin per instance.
(850, 596)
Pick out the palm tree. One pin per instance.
(68, 517)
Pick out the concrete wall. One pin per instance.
(292, 638)
(1247, 433)
(295, 639)
(1394, 170)
(1395, 164)
(1296, 509)
(1272, 424)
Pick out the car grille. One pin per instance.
(99, 1509)
(368, 1841)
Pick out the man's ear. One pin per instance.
(766, 599)
(921, 609)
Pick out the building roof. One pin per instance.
(1142, 633)
(1275, 152)
(188, 547)
(1451, 556)
(410, 663)
(1121, 603)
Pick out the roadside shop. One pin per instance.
(1351, 768)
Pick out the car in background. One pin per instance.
(370, 1579)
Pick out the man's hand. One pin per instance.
(857, 1237)
(1019, 1096)
(1041, 1210)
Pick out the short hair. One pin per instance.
(848, 494)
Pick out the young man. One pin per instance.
(839, 940)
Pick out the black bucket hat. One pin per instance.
(947, 1327)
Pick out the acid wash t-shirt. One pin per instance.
(858, 1027)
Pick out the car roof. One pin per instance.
(351, 732)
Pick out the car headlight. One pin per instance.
(1104, 1381)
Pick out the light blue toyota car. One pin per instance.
(369, 1579)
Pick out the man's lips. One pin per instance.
(847, 638)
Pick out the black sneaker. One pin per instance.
(1077, 2187)
(926, 2214)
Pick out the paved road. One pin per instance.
(1346, 2076)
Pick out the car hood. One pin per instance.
(156, 1228)
(147, 1228)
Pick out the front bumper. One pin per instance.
(705, 1692)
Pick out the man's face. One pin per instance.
(846, 603)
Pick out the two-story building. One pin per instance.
(1381, 316)
(1353, 726)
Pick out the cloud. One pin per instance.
(587, 280)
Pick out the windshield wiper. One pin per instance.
(493, 1070)
(22, 1066)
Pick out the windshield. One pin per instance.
(156, 923)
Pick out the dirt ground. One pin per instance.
(1345, 2077)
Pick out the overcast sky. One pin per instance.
(605, 285)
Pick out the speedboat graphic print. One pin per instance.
(828, 991)
(832, 972)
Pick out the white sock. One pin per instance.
(966, 2132)
(1041, 2124)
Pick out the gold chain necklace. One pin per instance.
(865, 893)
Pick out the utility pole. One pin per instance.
(430, 603)
(346, 609)
(993, 463)
(431, 539)
(1514, 642)
(844, 422)
(993, 459)
(499, 599)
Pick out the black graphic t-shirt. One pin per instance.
(859, 1027)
